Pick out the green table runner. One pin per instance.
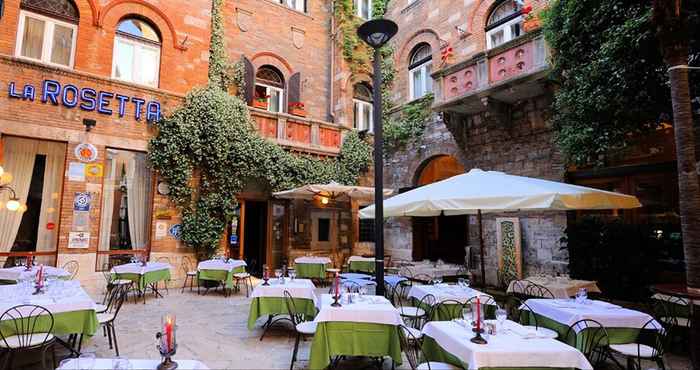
(310, 270)
(363, 266)
(65, 323)
(220, 275)
(262, 306)
(353, 339)
(435, 352)
(142, 281)
(615, 335)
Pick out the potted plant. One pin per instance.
(261, 101)
(532, 19)
(297, 109)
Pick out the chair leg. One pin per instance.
(184, 284)
(109, 336)
(114, 334)
(660, 362)
(296, 349)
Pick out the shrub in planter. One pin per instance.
(297, 109)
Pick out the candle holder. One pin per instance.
(478, 339)
(335, 301)
(266, 276)
(167, 363)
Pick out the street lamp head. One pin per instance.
(377, 32)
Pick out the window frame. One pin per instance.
(302, 5)
(359, 106)
(47, 44)
(139, 43)
(359, 8)
(507, 27)
(267, 93)
(427, 86)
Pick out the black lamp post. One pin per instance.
(376, 33)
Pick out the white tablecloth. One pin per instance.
(20, 273)
(506, 349)
(355, 276)
(360, 259)
(561, 287)
(394, 280)
(106, 364)
(443, 292)
(374, 309)
(220, 265)
(435, 270)
(313, 260)
(299, 288)
(137, 268)
(61, 296)
(567, 312)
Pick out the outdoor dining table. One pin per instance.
(362, 264)
(107, 364)
(434, 269)
(448, 292)
(560, 286)
(366, 327)
(622, 324)
(72, 308)
(512, 347)
(143, 276)
(269, 299)
(12, 275)
(311, 267)
(219, 270)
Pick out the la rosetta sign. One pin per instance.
(87, 99)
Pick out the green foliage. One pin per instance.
(408, 124)
(613, 80)
(208, 148)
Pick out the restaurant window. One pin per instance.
(363, 9)
(362, 108)
(324, 229)
(366, 230)
(136, 56)
(504, 24)
(419, 69)
(36, 169)
(269, 88)
(47, 31)
(298, 5)
(126, 206)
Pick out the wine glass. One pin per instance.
(292, 274)
(467, 313)
(278, 273)
(86, 361)
(69, 364)
(121, 363)
(501, 316)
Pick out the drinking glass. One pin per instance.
(86, 361)
(438, 280)
(292, 274)
(278, 273)
(363, 291)
(467, 313)
(69, 364)
(121, 363)
(501, 316)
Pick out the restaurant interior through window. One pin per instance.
(33, 177)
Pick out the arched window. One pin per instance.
(136, 52)
(269, 89)
(505, 23)
(298, 5)
(419, 68)
(362, 107)
(47, 31)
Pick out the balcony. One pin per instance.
(501, 76)
(299, 134)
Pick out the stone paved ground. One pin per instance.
(213, 329)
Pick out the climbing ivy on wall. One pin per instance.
(406, 124)
(208, 148)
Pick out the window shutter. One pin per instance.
(294, 88)
(249, 78)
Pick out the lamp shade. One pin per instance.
(377, 32)
(13, 205)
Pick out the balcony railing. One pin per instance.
(494, 74)
(298, 133)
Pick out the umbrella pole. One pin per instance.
(481, 249)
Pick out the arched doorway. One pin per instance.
(442, 237)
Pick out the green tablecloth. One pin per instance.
(220, 275)
(615, 335)
(362, 266)
(435, 352)
(262, 306)
(65, 323)
(310, 270)
(353, 339)
(142, 281)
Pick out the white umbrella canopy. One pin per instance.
(494, 192)
(332, 190)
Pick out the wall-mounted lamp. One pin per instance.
(324, 200)
(89, 124)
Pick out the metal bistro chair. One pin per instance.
(415, 316)
(448, 310)
(533, 290)
(488, 305)
(190, 273)
(247, 280)
(650, 345)
(31, 328)
(519, 311)
(302, 328)
(106, 319)
(72, 268)
(591, 338)
(417, 360)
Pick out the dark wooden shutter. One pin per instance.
(249, 78)
(294, 87)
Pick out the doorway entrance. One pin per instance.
(255, 235)
(442, 237)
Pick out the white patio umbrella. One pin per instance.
(332, 190)
(477, 192)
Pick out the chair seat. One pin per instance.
(241, 275)
(104, 317)
(307, 327)
(436, 366)
(13, 342)
(634, 349)
(191, 273)
(333, 270)
(679, 321)
(415, 333)
(99, 308)
(409, 311)
(120, 282)
(549, 333)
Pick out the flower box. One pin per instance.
(297, 109)
(262, 104)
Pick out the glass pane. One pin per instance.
(138, 28)
(275, 97)
(497, 38)
(367, 116)
(417, 83)
(428, 79)
(62, 46)
(148, 66)
(356, 116)
(365, 9)
(123, 68)
(515, 30)
(33, 38)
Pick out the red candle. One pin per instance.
(478, 315)
(168, 333)
(40, 276)
(337, 288)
